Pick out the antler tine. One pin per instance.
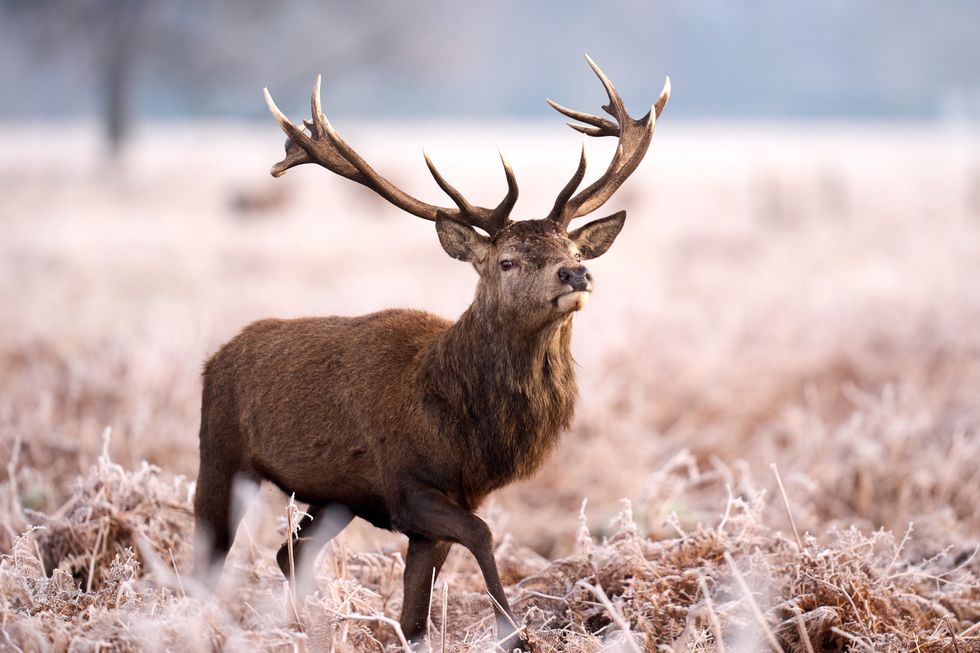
(606, 127)
(448, 188)
(569, 188)
(634, 140)
(510, 199)
(284, 122)
(317, 124)
(491, 221)
(661, 102)
(615, 108)
(296, 153)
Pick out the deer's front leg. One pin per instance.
(422, 564)
(426, 512)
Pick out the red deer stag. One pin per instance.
(403, 418)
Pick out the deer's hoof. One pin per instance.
(516, 642)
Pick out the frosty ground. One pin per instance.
(804, 297)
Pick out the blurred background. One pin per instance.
(122, 63)
(796, 283)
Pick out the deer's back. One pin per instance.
(311, 403)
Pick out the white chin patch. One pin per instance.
(573, 301)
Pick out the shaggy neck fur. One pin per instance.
(508, 393)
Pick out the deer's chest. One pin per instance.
(511, 438)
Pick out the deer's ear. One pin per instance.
(460, 240)
(595, 238)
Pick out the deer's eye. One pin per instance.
(506, 264)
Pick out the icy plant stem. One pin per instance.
(713, 617)
(789, 513)
(445, 604)
(614, 614)
(756, 612)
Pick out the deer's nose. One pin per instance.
(578, 277)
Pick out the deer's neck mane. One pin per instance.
(507, 394)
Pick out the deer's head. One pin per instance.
(532, 269)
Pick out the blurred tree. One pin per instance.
(108, 32)
(201, 46)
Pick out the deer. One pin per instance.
(402, 418)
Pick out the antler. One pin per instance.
(324, 146)
(634, 139)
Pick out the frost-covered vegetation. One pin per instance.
(783, 305)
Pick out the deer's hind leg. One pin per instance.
(320, 525)
(214, 519)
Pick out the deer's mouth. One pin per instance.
(574, 300)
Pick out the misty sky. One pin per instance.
(733, 59)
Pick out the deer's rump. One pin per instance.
(310, 403)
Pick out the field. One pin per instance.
(794, 304)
